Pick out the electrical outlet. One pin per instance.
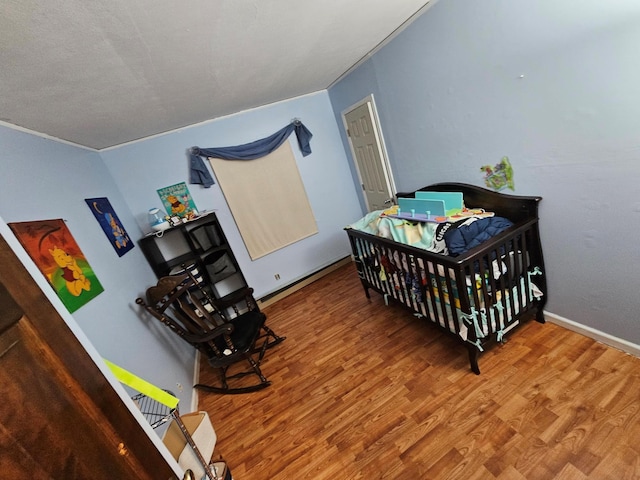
(179, 386)
(277, 276)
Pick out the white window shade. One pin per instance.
(267, 199)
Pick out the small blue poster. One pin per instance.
(108, 220)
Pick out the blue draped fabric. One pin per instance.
(249, 151)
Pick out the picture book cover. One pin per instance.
(111, 226)
(55, 252)
(177, 200)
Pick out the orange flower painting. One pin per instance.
(53, 249)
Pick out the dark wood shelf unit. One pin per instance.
(200, 242)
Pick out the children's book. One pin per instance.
(177, 200)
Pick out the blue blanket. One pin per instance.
(469, 235)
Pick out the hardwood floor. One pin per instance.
(365, 391)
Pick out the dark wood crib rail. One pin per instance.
(421, 280)
(517, 208)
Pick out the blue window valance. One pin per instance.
(199, 174)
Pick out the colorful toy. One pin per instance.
(499, 177)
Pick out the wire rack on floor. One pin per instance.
(156, 413)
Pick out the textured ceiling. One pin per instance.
(100, 73)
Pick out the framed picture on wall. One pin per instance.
(177, 201)
(55, 252)
(111, 225)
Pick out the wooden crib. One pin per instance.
(479, 296)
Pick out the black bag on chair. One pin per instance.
(180, 302)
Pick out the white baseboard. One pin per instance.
(285, 292)
(597, 335)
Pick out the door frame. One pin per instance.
(31, 291)
(382, 149)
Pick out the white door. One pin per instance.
(367, 148)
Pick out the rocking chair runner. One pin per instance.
(226, 331)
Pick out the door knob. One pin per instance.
(188, 475)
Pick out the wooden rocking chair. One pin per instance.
(226, 331)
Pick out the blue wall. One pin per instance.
(451, 98)
(44, 179)
(555, 88)
(142, 167)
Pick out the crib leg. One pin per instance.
(474, 353)
(360, 268)
(540, 316)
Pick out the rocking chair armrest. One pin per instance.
(234, 298)
(224, 329)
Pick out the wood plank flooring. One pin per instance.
(365, 391)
